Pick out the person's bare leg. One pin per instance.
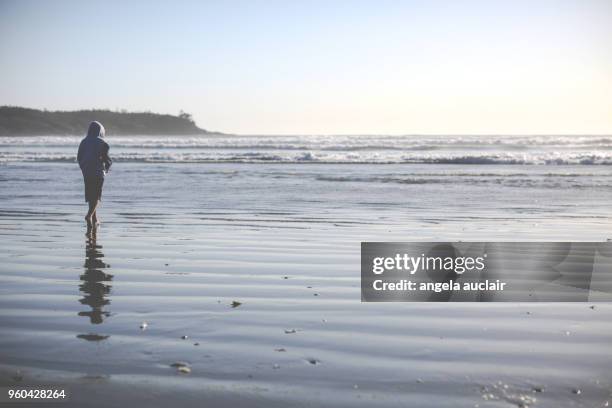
(90, 212)
(94, 218)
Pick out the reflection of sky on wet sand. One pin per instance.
(95, 287)
(190, 239)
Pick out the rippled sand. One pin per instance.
(247, 277)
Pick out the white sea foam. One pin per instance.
(540, 150)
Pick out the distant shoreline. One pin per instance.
(20, 121)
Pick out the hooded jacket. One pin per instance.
(93, 155)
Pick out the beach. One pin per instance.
(227, 271)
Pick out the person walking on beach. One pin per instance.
(94, 162)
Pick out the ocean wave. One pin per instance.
(377, 149)
(390, 157)
(326, 143)
(534, 181)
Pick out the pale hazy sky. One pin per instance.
(350, 67)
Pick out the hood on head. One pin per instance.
(95, 129)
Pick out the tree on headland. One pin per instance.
(186, 116)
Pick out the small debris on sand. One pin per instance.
(92, 337)
(290, 331)
(181, 367)
(235, 304)
(592, 307)
(577, 391)
(144, 325)
(185, 337)
(510, 394)
(313, 361)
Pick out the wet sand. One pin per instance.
(285, 246)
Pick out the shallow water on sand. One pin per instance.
(180, 242)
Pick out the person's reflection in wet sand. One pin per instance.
(95, 286)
